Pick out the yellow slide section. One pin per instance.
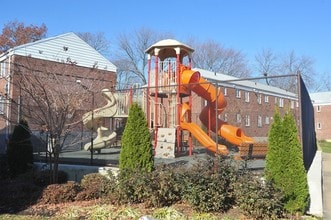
(208, 116)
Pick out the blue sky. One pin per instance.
(303, 26)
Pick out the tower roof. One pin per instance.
(167, 49)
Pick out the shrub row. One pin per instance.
(210, 185)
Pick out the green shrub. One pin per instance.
(257, 198)
(20, 150)
(129, 187)
(284, 163)
(136, 151)
(162, 188)
(95, 186)
(208, 185)
(60, 193)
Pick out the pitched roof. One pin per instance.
(67, 48)
(231, 81)
(321, 97)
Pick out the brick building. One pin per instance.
(64, 59)
(322, 111)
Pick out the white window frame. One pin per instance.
(2, 105)
(319, 125)
(3, 69)
(292, 104)
(266, 98)
(259, 121)
(238, 93)
(246, 96)
(281, 102)
(225, 91)
(225, 117)
(318, 108)
(259, 98)
(267, 120)
(238, 118)
(247, 121)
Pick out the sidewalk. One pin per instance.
(326, 173)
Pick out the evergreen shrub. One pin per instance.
(284, 163)
(136, 151)
(20, 150)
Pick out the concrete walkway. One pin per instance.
(326, 173)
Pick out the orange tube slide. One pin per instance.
(208, 115)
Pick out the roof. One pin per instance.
(67, 47)
(321, 97)
(234, 82)
(167, 48)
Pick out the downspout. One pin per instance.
(9, 78)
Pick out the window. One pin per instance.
(267, 120)
(259, 98)
(238, 93)
(238, 117)
(281, 102)
(319, 126)
(225, 92)
(259, 121)
(266, 98)
(2, 105)
(3, 69)
(292, 104)
(276, 100)
(318, 108)
(225, 117)
(247, 121)
(246, 96)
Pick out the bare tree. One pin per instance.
(266, 63)
(50, 101)
(49, 97)
(96, 40)
(131, 59)
(212, 56)
(15, 33)
(270, 64)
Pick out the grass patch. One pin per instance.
(325, 146)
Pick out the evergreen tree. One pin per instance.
(284, 163)
(20, 150)
(136, 151)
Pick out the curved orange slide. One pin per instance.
(208, 116)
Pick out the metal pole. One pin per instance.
(92, 129)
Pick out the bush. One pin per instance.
(136, 151)
(284, 163)
(208, 185)
(162, 187)
(59, 193)
(43, 178)
(95, 186)
(129, 187)
(20, 150)
(257, 198)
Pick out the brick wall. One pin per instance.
(323, 121)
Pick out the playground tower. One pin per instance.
(165, 95)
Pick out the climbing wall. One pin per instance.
(165, 146)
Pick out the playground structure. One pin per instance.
(171, 82)
(168, 104)
(92, 120)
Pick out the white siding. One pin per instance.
(78, 52)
